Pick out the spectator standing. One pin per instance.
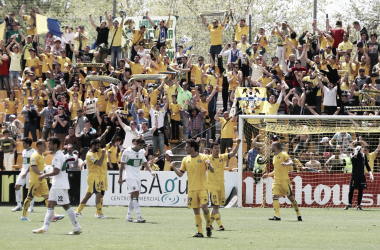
(79, 122)
(183, 96)
(80, 38)
(86, 136)
(242, 28)
(116, 33)
(102, 37)
(280, 42)
(30, 112)
(227, 121)
(69, 38)
(4, 71)
(8, 146)
(15, 66)
(373, 50)
(61, 125)
(216, 33)
(72, 140)
(138, 37)
(30, 20)
(162, 30)
(337, 34)
(10, 105)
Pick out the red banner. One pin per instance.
(310, 190)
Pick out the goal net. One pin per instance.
(319, 146)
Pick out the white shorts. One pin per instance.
(60, 196)
(20, 181)
(133, 185)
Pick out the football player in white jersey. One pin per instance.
(23, 177)
(131, 160)
(58, 194)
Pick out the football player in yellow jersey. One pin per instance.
(216, 180)
(36, 187)
(196, 165)
(93, 164)
(281, 183)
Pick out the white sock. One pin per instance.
(70, 212)
(48, 217)
(137, 208)
(130, 209)
(18, 197)
(32, 203)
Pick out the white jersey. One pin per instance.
(71, 162)
(26, 158)
(60, 181)
(129, 136)
(91, 105)
(133, 161)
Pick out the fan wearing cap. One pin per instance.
(29, 43)
(33, 62)
(47, 57)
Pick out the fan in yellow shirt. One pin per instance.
(227, 123)
(135, 66)
(241, 28)
(175, 118)
(47, 57)
(93, 181)
(196, 166)
(37, 186)
(216, 180)
(34, 62)
(281, 183)
(74, 105)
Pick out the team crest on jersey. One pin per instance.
(199, 161)
(221, 160)
(188, 162)
(137, 156)
(278, 157)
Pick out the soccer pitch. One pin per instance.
(172, 228)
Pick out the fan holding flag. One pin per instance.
(30, 19)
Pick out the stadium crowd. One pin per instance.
(46, 93)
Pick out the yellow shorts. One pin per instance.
(282, 188)
(103, 182)
(197, 198)
(38, 189)
(93, 185)
(217, 195)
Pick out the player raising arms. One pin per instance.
(93, 179)
(281, 183)
(216, 180)
(23, 177)
(58, 194)
(37, 187)
(358, 181)
(196, 165)
(131, 160)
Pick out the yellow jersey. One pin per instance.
(289, 51)
(171, 91)
(346, 66)
(137, 37)
(37, 160)
(35, 63)
(280, 172)
(216, 34)
(63, 61)
(93, 169)
(116, 37)
(239, 31)
(366, 68)
(262, 41)
(101, 100)
(280, 41)
(227, 128)
(196, 168)
(151, 71)
(175, 110)
(30, 25)
(74, 109)
(136, 68)
(46, 58)
(12, 107)
(218, 163)
(345, 46)
(167, 166)
(154, 96)
(371, 161)
(233, 82)
(103, 167)
(113, 152)
(197, 70)
(325, 42)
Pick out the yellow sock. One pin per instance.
(46, 202)
(218, 220)
(212, 218)
(99, 208)
(198, 223)
(208, 219)
(295, 206)
(276, 206)
(26, 206)
(80, 208)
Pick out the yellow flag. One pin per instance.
(253, 101)
(2, 30)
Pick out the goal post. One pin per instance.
(326, 140)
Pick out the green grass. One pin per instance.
(172, 228)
